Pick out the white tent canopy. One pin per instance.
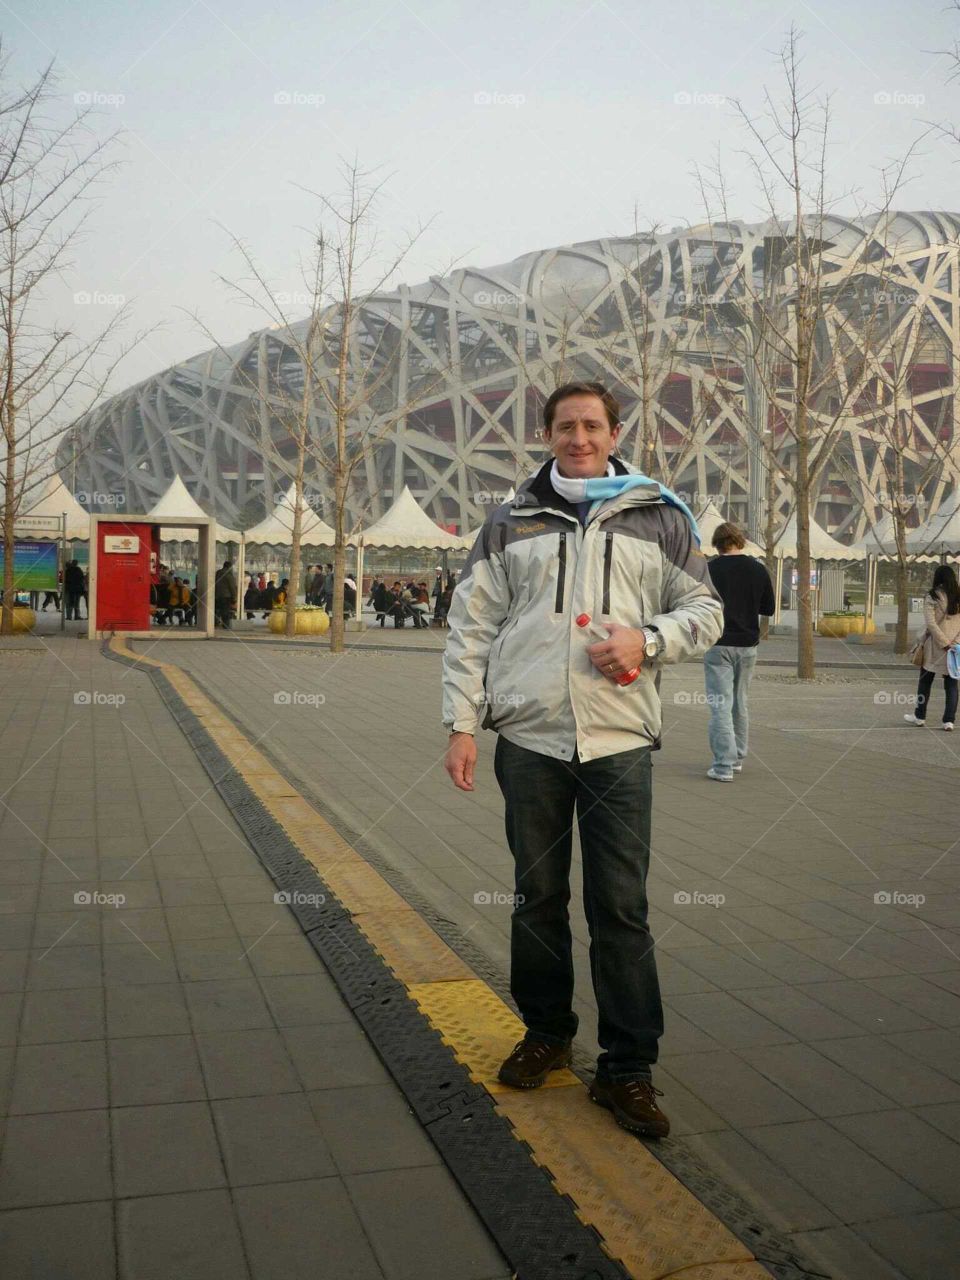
(940, 532)
(407, 525)
(55, 501)
(276, 529)
(708, 521)
(822, 545)
(177, 504)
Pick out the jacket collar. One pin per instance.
(537, 494)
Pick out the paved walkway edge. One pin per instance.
(560, 1188)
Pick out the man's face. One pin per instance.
(580, 437)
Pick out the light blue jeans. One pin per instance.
(728, 670)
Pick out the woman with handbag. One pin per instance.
(941, 616)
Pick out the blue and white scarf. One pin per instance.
(599, 488)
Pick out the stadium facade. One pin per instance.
(474, 354)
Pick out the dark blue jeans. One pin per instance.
(612, 800)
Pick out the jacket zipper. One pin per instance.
(561, 573)
(607, 560)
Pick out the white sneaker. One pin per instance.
(912, 719)
(714, 773)
(948, 727)
(738, 767)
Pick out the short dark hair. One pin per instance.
(597, 389)
(726, 536)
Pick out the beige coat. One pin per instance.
(941, 632)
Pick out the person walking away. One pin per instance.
(941, 621)
(437, 592)
(251, 598)
(744, 586)
(73, 589)
(225, 594)
(586, 537)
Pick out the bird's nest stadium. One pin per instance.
(473, 355)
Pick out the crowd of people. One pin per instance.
(412, 600)
(173, 599)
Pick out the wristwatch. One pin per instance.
(651, 643)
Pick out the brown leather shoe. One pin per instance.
(532, 1061)
(634, 1106)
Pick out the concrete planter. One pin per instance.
(309, 622)
(24, 618)
(839, 626)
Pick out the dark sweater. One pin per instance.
(744, 586)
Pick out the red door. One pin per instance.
(123, 576)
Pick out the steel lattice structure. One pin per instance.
(491, 344)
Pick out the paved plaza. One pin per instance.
(184, 1084)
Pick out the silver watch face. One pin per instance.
(653, 643)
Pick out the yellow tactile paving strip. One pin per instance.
(646, 1218)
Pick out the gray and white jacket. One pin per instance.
(515, 657)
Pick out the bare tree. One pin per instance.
(336, 384)
(808, 351)
(47, 173)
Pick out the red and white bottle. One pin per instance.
(586, 624)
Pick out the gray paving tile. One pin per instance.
(11, 1003)
(16, 931)
(394, 1208)
(65, 929)
(370, 1128)
(855, 1185)
(905, 1143)
(868, 1008)
(273, 955)
(333, 1056)
(273, 1139)
(231, 1005)
(165, 1148)
(125, 926)
(153, 1069)
(728, 1021)
(246, 888)
(240, 1064)
(138, 963)
(282, 1244)
(192, 1236)
(938, 1048)
(797, 1012)
(72, 1014)
(211, 959)
(155, 1009)
(733, 1089)
(195, 891)
(944, 1116)
(783, 1203)
(59, 1077)
(51, 1159)
(300, 999)
(900, 1075)
(843, 1254)
(58, 967)
(921, 1246)
(255, 918)
(58, 1241)
(816, 1081)
(199, 922)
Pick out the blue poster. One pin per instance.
(34, 566)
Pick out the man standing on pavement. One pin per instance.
(225, 594)
(585, 535)
(746, 591)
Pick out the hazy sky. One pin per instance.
(515, 126)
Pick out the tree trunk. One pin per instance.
(806, 664)
(293, 586)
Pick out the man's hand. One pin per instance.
(621, 651)
(461, 760)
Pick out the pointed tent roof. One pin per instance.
(822, 545)
(708, 520)
(921, 542)
(939, 532)
(276, 529)
(406, 524)
(177, 503)
(55, 500)
(470, 536)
